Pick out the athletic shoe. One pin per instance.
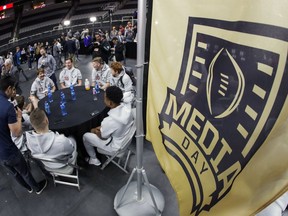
(93, 161)
(42, 185)
(30, 191)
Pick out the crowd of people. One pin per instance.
(109, 45)
(25, 127)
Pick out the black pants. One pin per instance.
(17, 166)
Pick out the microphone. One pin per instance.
(15, 104)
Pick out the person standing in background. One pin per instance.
(56, 54)
(118, 50)
(48, 63)
(70, 47)
(17, 57)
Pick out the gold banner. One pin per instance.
(217, 101)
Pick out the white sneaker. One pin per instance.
(93, 161)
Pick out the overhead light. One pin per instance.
(93, 19)
(66, 22)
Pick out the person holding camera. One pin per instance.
(101, 47)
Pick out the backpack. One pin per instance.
(129, 72)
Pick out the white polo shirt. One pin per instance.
(69, 77)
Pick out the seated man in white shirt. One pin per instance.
(100, 73)
(40, 85)
(44, 143)
(20, 141)
(70, 75)
(122, 80)
(113, 129)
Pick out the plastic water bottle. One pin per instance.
(47, 108)
(63, 109)
(97, 88)
(50, 99)
(94, 94)
(63, 99)
(87, 85)
(72, 92)
(71, 87)
(73, 95)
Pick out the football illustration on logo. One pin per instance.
(219, 88)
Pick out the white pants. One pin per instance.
(74, 154)
(276, 208)
(91, 140)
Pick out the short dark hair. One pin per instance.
(69, 59)
(40, 70)
(7, 81)
(37, 118)
(114, 94)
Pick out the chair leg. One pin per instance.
(109, 159)
(124, 170)
(54, 179)
(78, 182)
(127, 159)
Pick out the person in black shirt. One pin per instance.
(10, 156)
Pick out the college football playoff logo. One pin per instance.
(230, 91)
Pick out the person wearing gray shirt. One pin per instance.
(48, 63)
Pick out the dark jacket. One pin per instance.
(119, 51)
(70, 45)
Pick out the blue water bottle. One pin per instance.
(71, 87)
(63, 109)
(50, 99)
(97, 88)
(72, 92)
(63, 99)
(47, 108)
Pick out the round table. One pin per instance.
(83, 114)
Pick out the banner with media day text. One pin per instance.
(217, 102)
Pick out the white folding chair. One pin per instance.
(117, 156)
(61, 175)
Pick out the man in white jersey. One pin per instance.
(100, 73)
(70, 75)
(40, 85)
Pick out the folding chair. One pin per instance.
(61, 175)
(120, 153)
